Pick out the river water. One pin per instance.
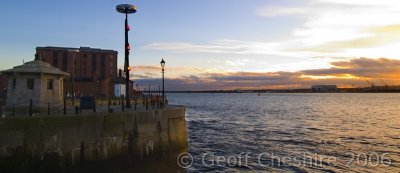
(285, 132)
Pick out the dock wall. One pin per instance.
(68, 141)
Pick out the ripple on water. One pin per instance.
(289, 125)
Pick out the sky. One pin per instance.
(220, 44)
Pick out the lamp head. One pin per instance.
(162, 62)
(126, 8)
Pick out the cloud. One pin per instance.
(375, 69)
(276, 11)
(378, 36)
(329, 28)
(346, 28)
(147, 68)
(223, 46)
(146, 72)
(343, 73)
(343, 27)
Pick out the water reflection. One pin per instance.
(361, 131)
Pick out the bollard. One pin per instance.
(152, 102)
(94, 106)
(65, 106)
(82, 153)
(122, 104)
(147, 102)
(76, 109)
(48, 109)
(30, 108)
(158, 102)
(109, 103)
(13, 110)
(135, 103)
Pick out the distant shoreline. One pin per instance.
(377, 89)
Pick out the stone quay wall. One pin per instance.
(67, 141)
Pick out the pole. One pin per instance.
(158, 96)
(128, 103)
(65, 106)
(73, 80)
(163, 92)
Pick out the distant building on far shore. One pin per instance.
(324, 88)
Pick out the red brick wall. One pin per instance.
(88, 62)
(91, 66)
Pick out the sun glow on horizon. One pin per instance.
(345, 76)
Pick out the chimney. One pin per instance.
(37, 57)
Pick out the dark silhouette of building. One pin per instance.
(95, 69)
(324, 88)
(3, 86)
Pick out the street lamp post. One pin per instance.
(126, 9)
(162, 71)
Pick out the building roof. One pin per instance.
(81, 49)
(35, 66)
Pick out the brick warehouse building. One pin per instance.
(96, 72)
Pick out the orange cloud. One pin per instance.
(343, 74)
(146, 72)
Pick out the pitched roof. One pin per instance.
(36, 66)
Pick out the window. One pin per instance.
(55, 62)
(111, 69)
(50, 84)
(14, 83)
(103, 66)
(65, 61)
(94, 62)
(30, 84)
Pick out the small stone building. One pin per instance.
(35, 83)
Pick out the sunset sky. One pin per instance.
(221, 44)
